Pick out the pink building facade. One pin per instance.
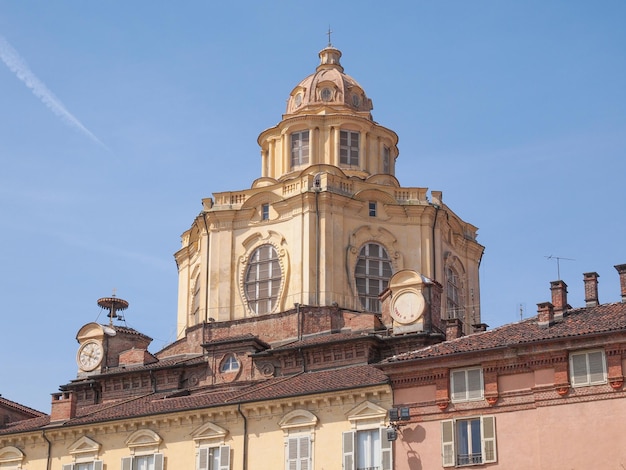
(544, 393)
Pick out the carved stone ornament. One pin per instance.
(443, 404)
(616, 383)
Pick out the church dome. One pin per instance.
(329, 87)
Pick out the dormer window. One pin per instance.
(265, 212)
(230, 364)
(372, 208)
(299, 148)
(349, 148)
(326, 94)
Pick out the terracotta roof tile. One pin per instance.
(307, 383)
(577, 322)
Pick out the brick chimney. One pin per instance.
(63, 406)
(454, 328)
(591, 289)
(621, 269)
(545, 314)
(559, 299)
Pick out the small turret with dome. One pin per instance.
(328, 121)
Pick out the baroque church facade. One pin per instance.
(329, 318)
(289, 292)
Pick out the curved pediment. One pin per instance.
(298, 419)
(11, 455)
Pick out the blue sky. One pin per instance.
(117, 118)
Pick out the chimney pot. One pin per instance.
(545, 314)
(591, 289)
(559, 299)
(63, 406)
(454, 328)
(621, 269)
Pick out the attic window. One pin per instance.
(230, 364)
(265, 212)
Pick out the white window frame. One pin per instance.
(95, 465)
(206, 457)
(467, 384)
(350, 450)
(372, 206)
(265, 212)
(454, 294)
(129, 463)
(371, 281)
(230, 364)
(261, 282)
(450, 438)
(349, 142)
(300, 146)
(298, 452)
(588, 368)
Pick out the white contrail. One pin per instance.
(17, 65)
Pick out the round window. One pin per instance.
(326, 94)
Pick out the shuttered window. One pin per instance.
(466, 384)
(298, 453)
(368, 449)
(588, 368)
(214, 458)
(143, 462)
(470, 441)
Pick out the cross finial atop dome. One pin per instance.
(329, 33)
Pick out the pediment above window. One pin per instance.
(85, 445)
(144, 441)
(298, 419)
(209, 433)
(11, 456)
(366, 414)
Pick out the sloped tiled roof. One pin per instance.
(308, 383)
(576, 323)
(4, 403)
(322, 340)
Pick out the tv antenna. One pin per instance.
(558, 264)
(113, 305)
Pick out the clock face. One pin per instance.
(407, 307)
(90, 355)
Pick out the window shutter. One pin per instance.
(579, 369)
(386, 450)
(348, 450)
(304, 444)
(203, 458)
(224, 457)
(97, 465)
(447, 443)
(458, 385)
(474, 384)
(596, 367)
(292, 453)
(488, 430)
(69, 466)
(127, 463)
(158, 461)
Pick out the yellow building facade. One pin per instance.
(289, 293)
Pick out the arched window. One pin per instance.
(299, 148)
(262, 281)
(372, 273)
(454, 294)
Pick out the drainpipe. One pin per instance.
(245, 437)
(48, 456)
(317, 187)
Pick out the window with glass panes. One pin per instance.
(454, 304)
(349, 148)
(262, 280)
(468, 441)
(299, 148)
(372, 273)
